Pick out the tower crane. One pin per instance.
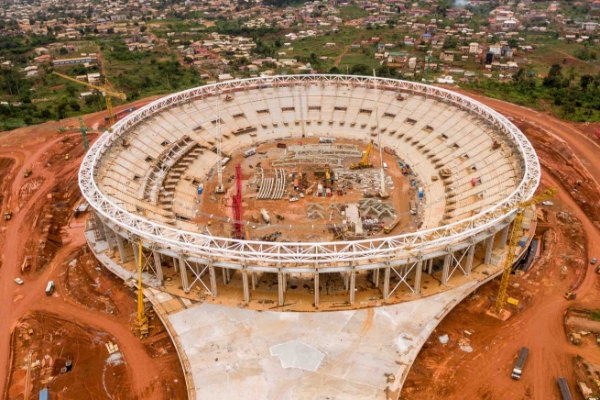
(141, 319)
(514, 240)
(106, 89)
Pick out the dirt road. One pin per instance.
(585, 148)
(31, 147)
(339, 58)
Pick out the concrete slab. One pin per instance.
(354, 354)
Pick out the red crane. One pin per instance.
(238, 232)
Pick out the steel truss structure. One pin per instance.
(312, 256)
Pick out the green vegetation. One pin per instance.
(145, 73)
(352, 12)
(571, 98)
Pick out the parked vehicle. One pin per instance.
(564, 389)
(593, 261)
(19, 281)
(518, 368)
(50, 288)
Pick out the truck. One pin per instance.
(564, 389)
(250, 152)
(518, 368)
(326, 140)
(50, 288)
(391, 226)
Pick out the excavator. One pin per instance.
(364, 162)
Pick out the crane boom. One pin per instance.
(103, 89)
(364, 162)
(514, 240)
(118, 95)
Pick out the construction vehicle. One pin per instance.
(570, 295)
(515, 236)
(106, 89)
(67, 156)
(518, 368)
(364, 162)
(7, 215)
(27, 173)
(391, 226)
(564, 389)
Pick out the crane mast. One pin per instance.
(219, 188)
(513, 243)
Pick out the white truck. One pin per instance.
(518, 368)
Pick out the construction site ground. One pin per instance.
(440, 371)
(297, 225)
(44, 241)
(568, 155)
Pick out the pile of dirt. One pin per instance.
(560, 161)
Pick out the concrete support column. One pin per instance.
(101, 228)
(418, 272)
(110, 240)
(136, 255)
(470, 255)
(175, 264)
(158, 266)
(121, 246)
(386, 282)
(245, 284)
(317, 287)
(280, 286)
(285, 282)
(253, 280)
(225, 273)
(376, 277)
(446, 270)
(184, 276)
(352, 285)
(430, 266)
(213, 279)
(504, 237)
(489, 246)
(345, 276)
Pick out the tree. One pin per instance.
(63, 51)
(74, 105)
(555, 77)
(143, 29)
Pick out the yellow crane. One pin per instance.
(106, 89)
(364, 162)
(141, 319)
(515, 235)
